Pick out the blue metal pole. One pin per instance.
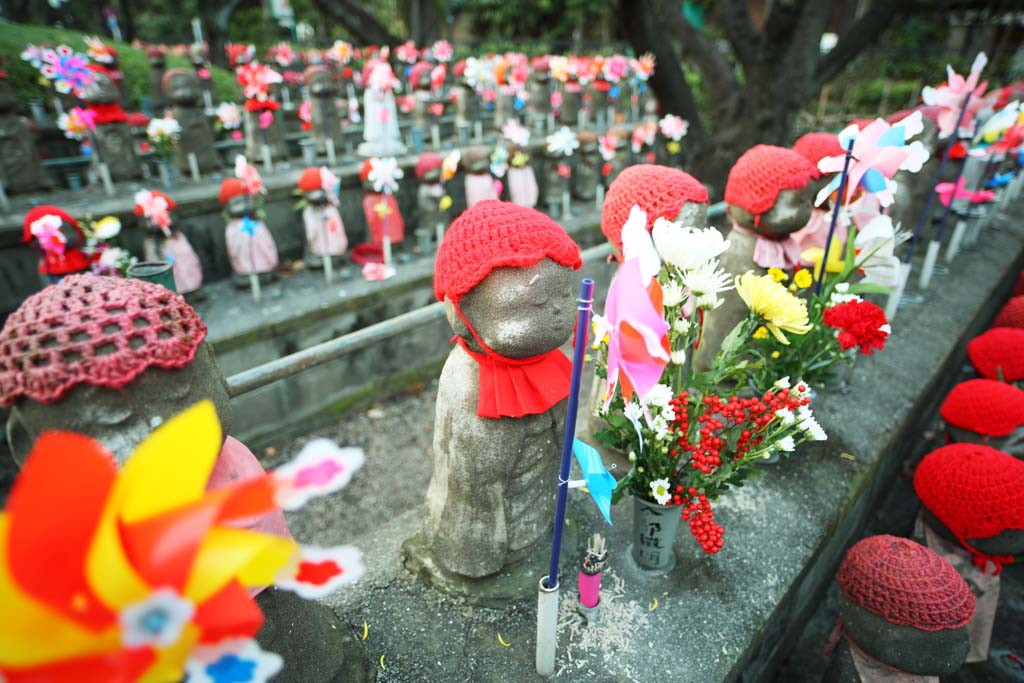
(938, 176)
(840, 200)
(583, 311)
(949, 207)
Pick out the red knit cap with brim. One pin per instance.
(906, 584)
(816, 146)
(98, 331)
(38, 212)
(984, 406)
(496, 234)
(998, 354)
(757, 177)
(1012, 314)
(427, 162)
(310, 180)
(171, 205)
(230, 187)
(364, 170)
(974, 490)
(661, 191)
(416, 71)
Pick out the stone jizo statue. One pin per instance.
(21, 169)
(323, 96)
(184, 92)
(113, 138)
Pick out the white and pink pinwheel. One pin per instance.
(949, 98)
(384, 174)
(252, 183)
(46, 230)
(516, 133)
(256, 80)
(673, 127)
(155, 208)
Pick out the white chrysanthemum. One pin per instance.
(672, 294)
(659, 395)
(782, 383)
(785, 415)
(705, 283)
(661, 492)
(682, 326)
(787, 444)
(687, 248)
(678, 357)
(633, 411)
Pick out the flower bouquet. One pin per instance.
(163, 135)
(690, 435)
(105, 247)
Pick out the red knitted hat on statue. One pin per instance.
(1012, 314)
(364, 170)
(230, 187)
(984, 406)
(416, 71)
(38, 212)
(817, 146)
(998, 354)
(100, 331)
(975, 490)
(310, 180)
(757, 177)
(659, 190)
(495, 234)
(906, 584)
(427, 161)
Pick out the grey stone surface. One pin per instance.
(113, 141)
(184, 92)
(21, 170)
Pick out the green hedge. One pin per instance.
(29, 84)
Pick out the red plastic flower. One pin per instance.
(860, 323)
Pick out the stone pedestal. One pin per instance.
(20, 167)
(256, 137)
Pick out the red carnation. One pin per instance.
(860, 323)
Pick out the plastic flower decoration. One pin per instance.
(140, 575)
(67, 69)
(252, 183)
(155, 209)
(949, 98)
(98, 51)
(997, 124)
(450, 164)
(229, 115)
(106, 228)
(256, 79)
(407, 52)
(282, 53)
(879, 151)
(46, 230)
(516, 133)
(77, 123)
(163, 134)
(673, 127)
(562, 141)
(607, 144)
(642, 135)
(643, 68)
(33, 54)
(772, 302)
(384, 174)
(441, 51)
(340, 52)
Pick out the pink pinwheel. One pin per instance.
(949, 97)
(46, 230)
(407, 52)
(638, 346)
(441, 51)
(282, 53)
(516, 133)
(256, 79)
(607, 145)
(252, 183)
(948, 193)
(615, 68)
(879, 151)
(67, 69)
(643, 135)
(673, 127)
(155, 208)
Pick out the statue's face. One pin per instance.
(320, 84)
(432, 176)
(122, 419)
(101, 91)
(157, 61)
(791, 211)
(184, 89)
(476, 161)
(318, 197)
(519, 312)
(693, 215)
(239, 206)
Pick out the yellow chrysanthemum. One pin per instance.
(775, 354)
(761, 332)
(777, 274)
(803, 279)
(780, 310)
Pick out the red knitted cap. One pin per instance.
(38, 212)
(364, 170)
(817, 146)
(757, 177)
(310, 180)
(230, 187)
(171, 205)
(998, 354)
(906, 584)
(984, 406)
(427, 161)
(1012, 314)
(495, 234)
(100, 331)
(975, 490)
(659, 190)
(416, 71)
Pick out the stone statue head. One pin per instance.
(8, 99)
(197, 54)
(111, 358)
(588, 150)
(157, 57)
(311, 186)
(428, 168)
(921, 631)
(509, 271)
(182, 87)
(769, 190)
(476, 159)
(102, 90)
(319, 81)
(234, 199)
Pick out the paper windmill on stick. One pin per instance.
(949, 97)
(143, 574)
(879, 151)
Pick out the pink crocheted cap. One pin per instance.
(974, 490)
(1012, 314)
(661, 191)
(99, 331)
(816, 146)
(998, 354)
(984, 406)
(906, 584)
(426, 162)
(757, 177)
(495, 234)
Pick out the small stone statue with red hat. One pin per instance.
(323, 94)
(419, 82)
(384, 220)
(467, 105)
(326, 241)
(157, 57)
(814, 147)
(505, 275)
(430, 217)
(165, 243)
(22, 170)
(251, 248)
(114, 143)
(184, 92)
(58, 239)
(904, 615)
(480, 185)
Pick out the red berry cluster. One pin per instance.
(701, 517)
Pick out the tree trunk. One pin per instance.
(421, 18)
(358, 21)
(127, 20)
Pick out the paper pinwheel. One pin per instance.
(256, 79)
(46, 230)
(949, 98)
(113, 577)
(879, 151)
(598, 480)
(384, 174)
(155, 208)
(67, 69)
(948, 191)
(516, 133)
(562, 142)
(252, 183)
